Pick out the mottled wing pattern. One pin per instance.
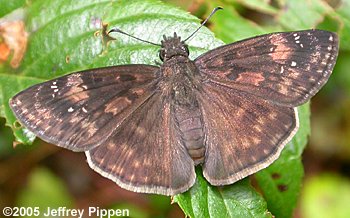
(244, 133)
(147, 154)
(285, 68)
(81, 110)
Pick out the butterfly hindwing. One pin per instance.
(284, 68)
(147, 154)
(81, 110)
(243, 133)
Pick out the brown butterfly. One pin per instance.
(145, 127)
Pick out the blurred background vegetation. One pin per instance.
(45, 174)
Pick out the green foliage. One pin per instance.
(326, 195)
(6, 140)
(9, 6)
(62, 30)
(302, 14)
(238, 200)
(44, 190)
(343, 15)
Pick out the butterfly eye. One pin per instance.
(161, 54)
(186, 49)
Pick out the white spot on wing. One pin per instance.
(84, 110)
(293, 64)
(70, 109)
(266, 151)
(282, 70)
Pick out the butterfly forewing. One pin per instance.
(244, 133)
(80, 110)
(147, 153)
(285, 68)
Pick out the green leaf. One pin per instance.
(8, 6)
(343, 15)
(6, 147)
(280, 184)
(301, 14)
(9, 85)
(238, 200)
(229, 26)
(259, 5)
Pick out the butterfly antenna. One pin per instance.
(117, 30)
(203, 23)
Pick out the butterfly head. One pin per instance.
(172, 47)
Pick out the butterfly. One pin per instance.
(231, 110)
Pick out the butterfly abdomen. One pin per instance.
(190, 126)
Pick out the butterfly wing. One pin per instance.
(284, 68)
(81, 110)
(147, 154)
(244, 133)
